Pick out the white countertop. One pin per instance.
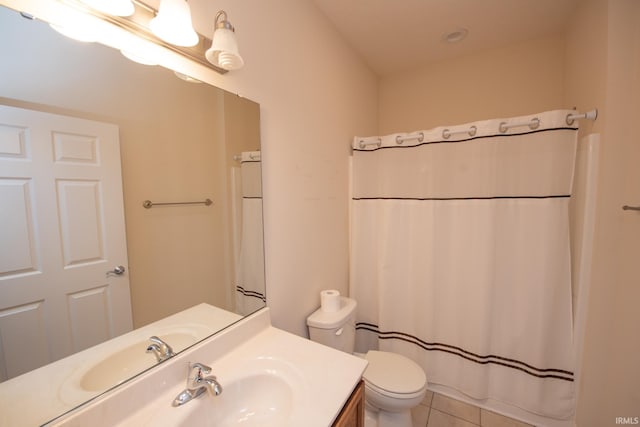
(322, 379)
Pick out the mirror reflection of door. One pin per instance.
(61, 236)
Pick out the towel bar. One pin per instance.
(148, 204)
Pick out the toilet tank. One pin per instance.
(336, 329)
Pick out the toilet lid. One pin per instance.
(394, 373)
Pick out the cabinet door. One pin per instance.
(352, 414)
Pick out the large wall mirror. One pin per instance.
(178, 141)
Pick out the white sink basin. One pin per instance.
(262, 400)
(128, 361)
(264, 393)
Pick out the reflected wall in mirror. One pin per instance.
(178, 142)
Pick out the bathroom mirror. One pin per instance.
(179, 142)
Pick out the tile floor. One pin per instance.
(437, 410)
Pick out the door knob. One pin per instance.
(118, 270)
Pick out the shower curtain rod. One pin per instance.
(504, 126)
(589, 115)
(535, 122)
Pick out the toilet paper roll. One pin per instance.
(330, 300)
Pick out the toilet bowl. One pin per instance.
(393, 383)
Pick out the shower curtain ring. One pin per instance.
(401, 139)
(535, 123)
(363, 143)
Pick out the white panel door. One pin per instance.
(61, 232)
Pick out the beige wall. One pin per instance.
(176, 254)
(314, 96)
(610, 373)
(585, 62)
(516, 80)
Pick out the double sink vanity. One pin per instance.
(250, 374)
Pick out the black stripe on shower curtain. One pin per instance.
(552, 196)
(473, 357)
(253, 294)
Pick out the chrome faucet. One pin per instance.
(197, 384)
(160, 349)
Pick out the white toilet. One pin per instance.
(393, 383)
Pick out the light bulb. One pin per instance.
(223, 52)
(173, 23)
(229, 61)
(140, 59)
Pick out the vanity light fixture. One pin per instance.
(223, 52)
(173, 23)
(148, 35)
(112, 7)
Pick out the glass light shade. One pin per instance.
(173, 23)
(112, 7)
(223, 52)
(81, 33)
(186, 77)
(140, 59)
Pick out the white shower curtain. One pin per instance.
(250, 285)
(460, 256)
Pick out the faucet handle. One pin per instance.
(155, 349)
(156, 340)
(197, 384)
(198, 369)
(204, 368)
(166, 348)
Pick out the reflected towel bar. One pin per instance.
(630, 208)
(148, 204)
(252, 156)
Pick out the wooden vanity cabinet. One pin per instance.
(352, 414)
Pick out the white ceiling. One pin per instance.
(397, 35)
